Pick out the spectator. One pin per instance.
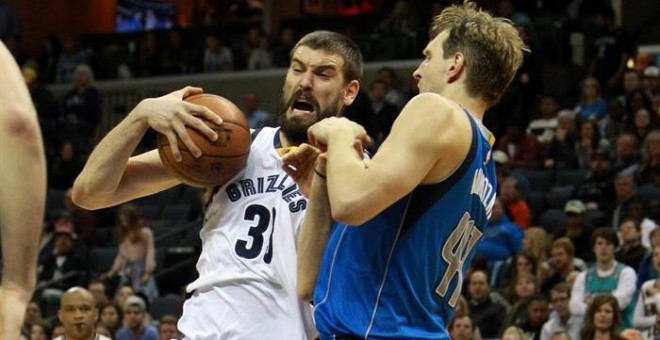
(525, 287)
(68, 60)
(485, 312)
(82, 104)
(260, 57)
(111, 316)
(78, 314)
(502, 239)
(561, 152)
(631, 82)
(97, 288)
(64, 168)
(576, 230)
(514, 203)
(588, 143)
(217, 57)
(537, 315)
(650, 83)
(461, 327)
(134, 326)
(135, 262)
(282, 49)
(626, 155)
(615, 122)
(610, 50)
(167, 328)
(635, 101)
(597, 188)
(47, 60)
(45, 104)
(32, 316)
(40, 331)
(503, 170)
(507, 9)
(84, 220)
(562, 263)
(257, 117)
(648, 172)
(514, 333)
(521, 147)
(591, 106)
(391, 79)
(625, 190)
(603, 319)
(384, 113)
(643, 123)
(631, 252)
(66, 266)
(544, 127)
(124, 292)
(177, 58)
(646, 269)
(561, 319)
(647, 310)
(606, 275)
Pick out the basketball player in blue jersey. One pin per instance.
(408, 221)
(246, 287)
(22, 195)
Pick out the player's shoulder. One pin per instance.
(435, 107)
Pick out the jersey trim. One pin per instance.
(426, 195)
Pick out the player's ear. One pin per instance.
(456, 67)
(350, 92)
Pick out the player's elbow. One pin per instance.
(349, 214)
(305, 288)
(82, 196)
(21, 127)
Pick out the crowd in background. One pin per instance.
(578, 171)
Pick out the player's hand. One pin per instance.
(170, 115)
(299, 163)
(319, 133)
(13, 304)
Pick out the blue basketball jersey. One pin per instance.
(400, 275)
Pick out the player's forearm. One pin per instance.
(313, 238)
(99, 180)
(347, 181)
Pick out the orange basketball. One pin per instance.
(220, 160)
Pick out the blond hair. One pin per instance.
(492, 48)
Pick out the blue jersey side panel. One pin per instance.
(384, 280)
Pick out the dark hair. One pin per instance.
(562, 287)
(168, 319)
(335, 43)
(589, 329)
(606, 233)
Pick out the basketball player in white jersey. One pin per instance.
(247, 269)
(22, 195)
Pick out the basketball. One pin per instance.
(220, 160)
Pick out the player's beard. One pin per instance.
(295, 128)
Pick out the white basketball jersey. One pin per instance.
(247, 269)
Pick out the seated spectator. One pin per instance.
(521, 147)
(502, 239)
(486, 313)
(596, 191)
(66, 266)
(111, 316)
(78, 315)
(577, 230)
(32, 316)
(257, 117)
(625, 153)
(514, 203)
(537, 242)
(561, 152)
(97, 288)
(384, 113)
(217, 57)
(40, 331)
(514, 333)
(561, 319)
(588, 143)
(537, 315)
(625, 191)
(631, 252)
(503, 170)
(461, 327)
(135, 328)
(648, 172)
(82, 105)
(167, 328)
(647, 310)
(605, 276)
(65, 166)
(525, 287)
(646, 269)
(394, 95)
(135, 262)
(603, 319)
(650, 83)
(123, 293)
(592, 106)
(643, 123)
(562, 263)
(544, 127)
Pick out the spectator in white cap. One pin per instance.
(650, 82)
(576, 229)
(134, 327)
(503, 170)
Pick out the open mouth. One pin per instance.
(303, 106)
